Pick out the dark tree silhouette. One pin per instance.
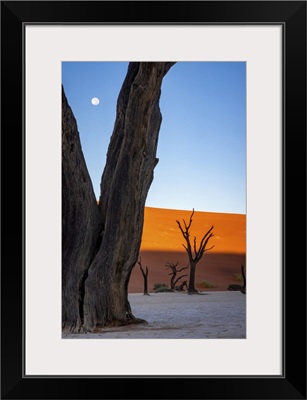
(174, 272)
(100, 243)
(194, 253)
(237, 287)
(183, 285)
(145, 276)
(243, 290)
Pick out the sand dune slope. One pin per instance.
(162, 243)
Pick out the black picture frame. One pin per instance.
(292, 16)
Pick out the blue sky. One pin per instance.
(202, 140)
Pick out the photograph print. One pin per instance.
(154, 200)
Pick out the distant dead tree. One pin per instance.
(195, 254)
(243, 290)
(174, 272)
(242, 278)
(183, 285)
(145, 276)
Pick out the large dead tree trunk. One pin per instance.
(131, 160)
(125, 183)
(81, 222)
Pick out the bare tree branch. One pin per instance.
(174, 272)
(182, 269)
(205, 236)
(190, 222)
(210, 248)
(171, 265)
(185, 247)
(180, 277)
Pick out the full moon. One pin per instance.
(95, 101)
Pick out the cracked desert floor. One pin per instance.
(210, 315)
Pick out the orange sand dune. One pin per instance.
(162, 243)
(161, 231)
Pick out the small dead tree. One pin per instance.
(195, 254)
(145, 276)
(183, 285)
(174, 272)
(242, 278)
(243, 290)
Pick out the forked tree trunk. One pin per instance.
(127, 177)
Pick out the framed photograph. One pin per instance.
(257, 47)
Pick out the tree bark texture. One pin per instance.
(116, 231)
(81, 222)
